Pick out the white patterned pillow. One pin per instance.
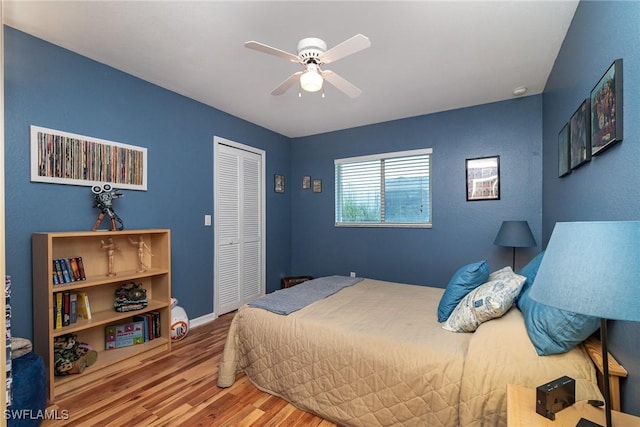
(488, 301)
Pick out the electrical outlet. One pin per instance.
(352, 274)
(207, 220)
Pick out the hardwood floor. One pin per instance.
(178, 389)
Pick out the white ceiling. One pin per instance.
(425, 56)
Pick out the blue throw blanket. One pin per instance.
(288, 300)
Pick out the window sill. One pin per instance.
(381, 225)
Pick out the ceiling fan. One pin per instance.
(312, 55)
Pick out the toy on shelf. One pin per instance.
(130, 297)
(141, 247)
(71, 356)
(103, 199)
(111, 247)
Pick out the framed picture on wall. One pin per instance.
(564, 166)
(483, 178)
(306, 182)
(606, 109)
(278, 183)
(59, 157)
(317, 186)
(579, 139)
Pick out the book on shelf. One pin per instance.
(68, 270)
(145, 322)
(156, 323)
(83, 276)
(73, 307)
(75, 271)
(66, 306)
(65, 271)
(54, 274)
(58, 268)
(57, 310)
(151, 324)
(83, 308)
(118, 336)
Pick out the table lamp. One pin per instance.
(515, 234)
(593, 268)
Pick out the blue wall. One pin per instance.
(55, 88)
(462, 231)
(608, 187)
(51, 87)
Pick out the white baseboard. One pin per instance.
(199, 321)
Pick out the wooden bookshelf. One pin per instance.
(100, 288)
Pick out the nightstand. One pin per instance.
(287, 282)
(521, 412)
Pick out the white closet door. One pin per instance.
(239, 218)
(228, 229)
(251, 227)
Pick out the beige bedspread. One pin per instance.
(374, 354)
(500, 352)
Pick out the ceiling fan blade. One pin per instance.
(285, 85)
(341, 84)
(260, 47)
(347, 47)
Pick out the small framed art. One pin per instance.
(317, 186)
(579, 139)
(606, 109)
(278, 184)
(564, 165)
(306, 182)
(483, 178)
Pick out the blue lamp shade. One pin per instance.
(515, 234)
(592, 268)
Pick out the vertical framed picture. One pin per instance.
(317, 186)
(306, 182)
(483, 178)
(579, 136)
(606, 109)
(278, 184)
(564, 165)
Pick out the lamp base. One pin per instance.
(586, 423)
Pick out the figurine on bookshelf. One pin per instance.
(141, 247)
(111, 247)
(103, 199)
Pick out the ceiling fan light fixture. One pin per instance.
(313, 54)
(311, 80)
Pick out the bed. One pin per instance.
(373, 353)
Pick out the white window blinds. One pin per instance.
(390, 189)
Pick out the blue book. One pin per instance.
(59, 271)
(68, 278)
(143, 318)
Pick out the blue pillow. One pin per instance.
(551, 330)
(529, 271)
(463, 281)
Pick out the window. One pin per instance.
(384, 190)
